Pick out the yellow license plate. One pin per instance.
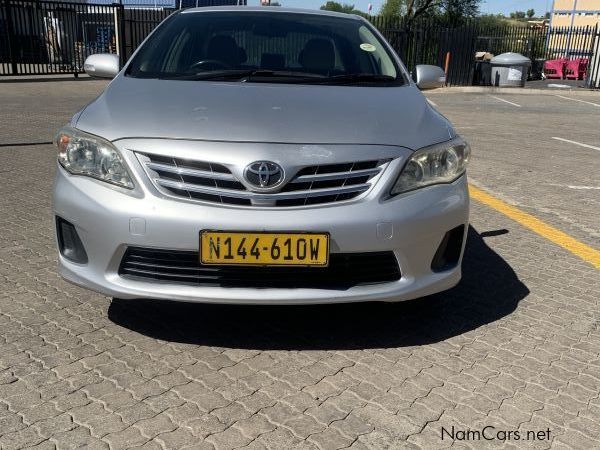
(264, 249)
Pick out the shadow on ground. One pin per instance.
(490, 290)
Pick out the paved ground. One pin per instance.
(516, 346)
(520, 153)
(555, 84)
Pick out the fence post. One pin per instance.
(593, 75)
(10, 35)
(447, 66)
(118, 17)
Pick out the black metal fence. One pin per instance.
(50, 37)
(431, 42)
(137, 24)
(593, 79)
(53, 37)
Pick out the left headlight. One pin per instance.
(84, 154)
(440, 163)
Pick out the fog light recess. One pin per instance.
(69, 243)
(448, 253)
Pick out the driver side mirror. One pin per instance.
(102, 65)
(429, 77)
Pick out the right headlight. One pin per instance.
(84, 154)
(440, 163)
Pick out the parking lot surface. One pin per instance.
(512, 353)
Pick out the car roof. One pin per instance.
(270, 10)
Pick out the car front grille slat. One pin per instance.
(192, 172)
(254, 196)
(176, 266)
(215, 183)
(335, 176)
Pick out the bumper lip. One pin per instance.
(407, 288)
(419, 219)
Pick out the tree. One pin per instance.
(413, 9)
(392, 8)
(517, 15)
(530, 13)
(456, 10)
(418, 8)
(338, 7)
(343, 8)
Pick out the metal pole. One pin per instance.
(548, 33)
(447, 66)
(117, 31)
(593, 75)
(568, 46)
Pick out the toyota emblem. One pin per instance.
(264, 174)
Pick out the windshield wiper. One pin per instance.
(286, 76)
(212, 75)
(242, 75)
(298, 76)
(357, 78)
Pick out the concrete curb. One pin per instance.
(515, 91)
(44, 78)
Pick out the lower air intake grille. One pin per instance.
(345, 270)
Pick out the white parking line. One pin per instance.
(585, 187)
(579, 188)
(577, 143)
(506, 101)
(578, 100)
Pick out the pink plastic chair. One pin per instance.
(576, 69)
(555, 68)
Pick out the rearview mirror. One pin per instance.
(429, 77)
(102, 65)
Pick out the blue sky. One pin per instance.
(487, 6)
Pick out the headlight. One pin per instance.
(441, 163)
(84, 154)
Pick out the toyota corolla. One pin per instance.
(261, 156)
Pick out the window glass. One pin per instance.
(199, 43)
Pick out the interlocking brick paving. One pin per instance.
(515, 346)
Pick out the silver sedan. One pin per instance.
(262, 156)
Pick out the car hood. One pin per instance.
(260, 112)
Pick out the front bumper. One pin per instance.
(411, 225)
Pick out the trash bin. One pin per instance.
(510, 70)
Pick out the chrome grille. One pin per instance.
(331, 182)
(213, 182)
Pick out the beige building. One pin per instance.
(568, 21)
(575, 13)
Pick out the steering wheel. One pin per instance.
(214, 62)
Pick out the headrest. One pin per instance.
(224, 48)
(318, 55)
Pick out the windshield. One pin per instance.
(266, 47)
